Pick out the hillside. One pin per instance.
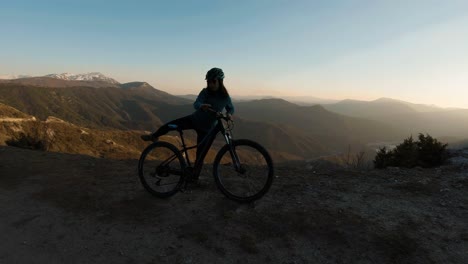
(87, 106)
(408, 117)
(61, 207)
(333, 130)
(299, 100)
(296, 131)
(56, 135)
(10, 112)
(370, 109)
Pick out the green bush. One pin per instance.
(426, 152)
(383, 158)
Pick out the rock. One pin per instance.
(425, 181)
(458, 158)
(459, 161)
(50, 133)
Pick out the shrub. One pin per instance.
(383, 158)
(27, 141)
(426, 152)
(406, 154)
(431, 152)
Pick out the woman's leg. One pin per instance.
(182, 123)
(201, 151)
(200, 136)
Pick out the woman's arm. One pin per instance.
(230, 106)
(200, 99)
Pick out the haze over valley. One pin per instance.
(291, 130)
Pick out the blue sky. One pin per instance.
(412, 50)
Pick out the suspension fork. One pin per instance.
(232, 151)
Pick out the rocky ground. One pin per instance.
(64, 208)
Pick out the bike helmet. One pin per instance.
(215, 73)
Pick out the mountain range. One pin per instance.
(139, 106)
(299, 100)
(408, 117)
(291, 130)
(91, 76)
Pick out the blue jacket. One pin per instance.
(206, 120)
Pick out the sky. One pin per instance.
(413, 50)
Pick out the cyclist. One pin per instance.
(214, 96)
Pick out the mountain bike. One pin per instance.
(242, 169)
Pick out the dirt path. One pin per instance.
(12, 119)
(58, 208)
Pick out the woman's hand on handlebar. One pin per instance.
(205, 107)
(226, 116)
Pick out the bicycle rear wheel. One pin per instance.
(161, 169)
(251, 179)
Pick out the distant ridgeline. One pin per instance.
(287, 129)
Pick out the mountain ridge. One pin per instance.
(411, 118)
(138, 106)
(91, 76)
(303, 131)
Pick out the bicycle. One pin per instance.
(242, 169)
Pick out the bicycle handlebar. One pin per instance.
(219, 115)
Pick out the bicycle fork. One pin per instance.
(234, 156)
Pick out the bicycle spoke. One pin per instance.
(169, 160)
(251, 179)
(161, 169)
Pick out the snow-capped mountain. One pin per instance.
(92, 76)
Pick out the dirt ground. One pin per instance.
(63, 208)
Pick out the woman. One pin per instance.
(214, 96)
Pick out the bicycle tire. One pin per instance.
(162, 149)
(257, 150)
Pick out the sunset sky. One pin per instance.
(413, 50)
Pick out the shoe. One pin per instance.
(193, 181)
(190, 176)
(149, 138)
(193, 178)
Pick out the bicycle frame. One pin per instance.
(209, 137)
(160, 169)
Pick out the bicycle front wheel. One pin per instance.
(243, 171)
(161, 169)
